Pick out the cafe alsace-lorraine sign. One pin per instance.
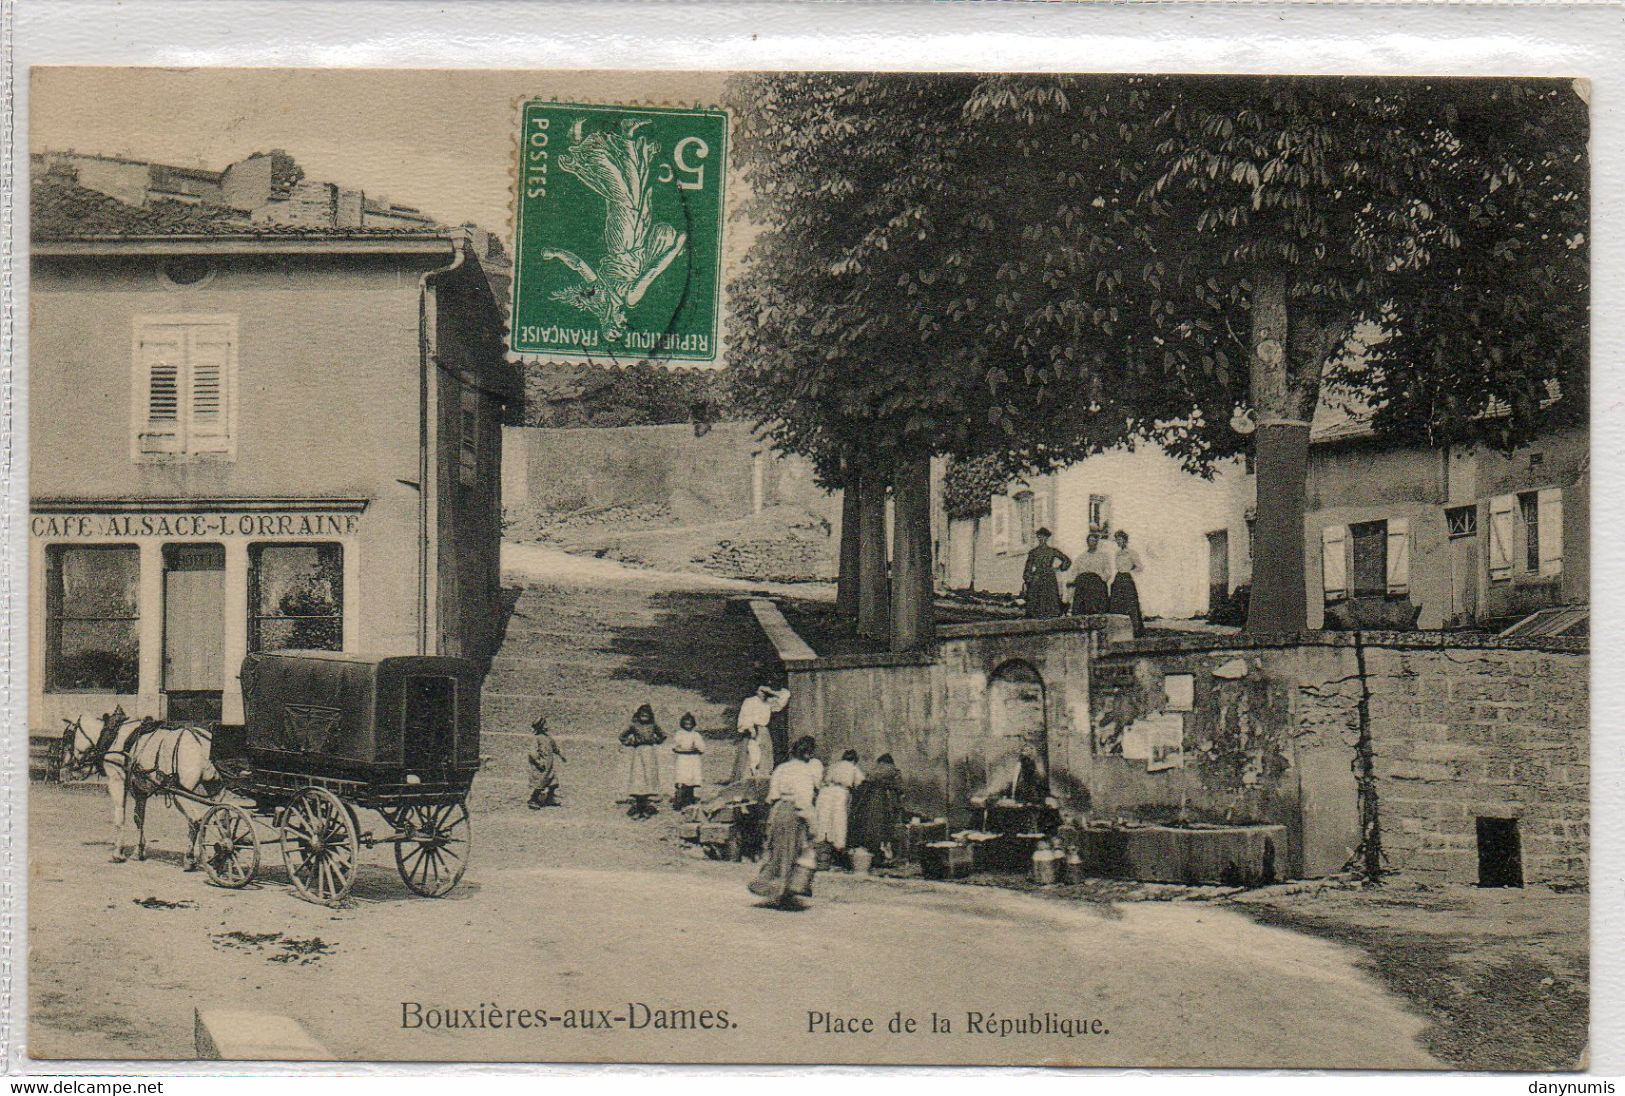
(221, 524)
(618, 232)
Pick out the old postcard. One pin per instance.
(808, 567)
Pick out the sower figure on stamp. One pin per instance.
(1039, 584)
(544, 758)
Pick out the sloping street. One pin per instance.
(579, 908)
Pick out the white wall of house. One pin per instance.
(1167, 512)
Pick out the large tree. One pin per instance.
(1040, 267)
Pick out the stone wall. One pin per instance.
(1421, 733)
(722, 475)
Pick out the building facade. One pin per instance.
(1457, 537)
(247, 440)
(1179, 523)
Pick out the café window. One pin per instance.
(93, 619)
(295, 597)
(184, 402)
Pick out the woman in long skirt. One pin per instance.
(1125, 594)
(877, 808)
(642, 740)
(835, 799)
(787, 861)
(1091, 586)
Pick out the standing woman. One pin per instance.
(1091, 586)
(689, 749)
(643, 739)
(1039, 585)
(792, 791)
(1125, 594)
(877, 810)
(835, 799)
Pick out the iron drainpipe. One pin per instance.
(428, 347)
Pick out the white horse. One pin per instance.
(142, 759)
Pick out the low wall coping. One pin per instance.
(878, 659)
(1406, 641)
(984, 629)
(787, 644)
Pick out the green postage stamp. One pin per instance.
(618, 238)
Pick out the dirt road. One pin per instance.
(581, 914)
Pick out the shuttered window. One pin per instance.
(1502, 532)
(1549, 540)
(1000, 508)
(1334, 563)
(1399, 557)
(184, 401)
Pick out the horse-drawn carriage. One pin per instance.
(325, 736)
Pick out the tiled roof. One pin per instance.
(63, 210)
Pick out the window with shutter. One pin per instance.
(1549, 507)
(1399, 557)
(1334, 563)
(1502, 528)
(183, 393)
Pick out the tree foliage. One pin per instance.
(1043, 267)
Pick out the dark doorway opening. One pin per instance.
(1500, 859)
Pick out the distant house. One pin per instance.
(248, 435)
(1456, 537)
(1180, 523)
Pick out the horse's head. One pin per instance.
(80, 752)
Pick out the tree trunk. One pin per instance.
(874, 597)
(1278, 599)
(1289, 349)
(912, 608)
(846, 581)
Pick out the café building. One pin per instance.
(251, 437)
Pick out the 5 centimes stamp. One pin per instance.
(618, 237)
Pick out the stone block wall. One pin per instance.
(1497, 733)
(1432, 732)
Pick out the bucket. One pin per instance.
(801, 874)
(862, 861)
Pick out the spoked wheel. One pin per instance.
(320, 846)
(432, 853)
(228, 847)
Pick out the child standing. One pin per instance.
(544, 758)
(643, 738)
(689, 747)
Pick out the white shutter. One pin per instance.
(1000, 507)
(1041, 508)
(208, 424)
(1502, 508)
(1551, 531)
(1399, 556)
(1334, 562)
(162, 357)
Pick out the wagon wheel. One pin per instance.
(227, 846)
(432, 853)
(320, 846)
